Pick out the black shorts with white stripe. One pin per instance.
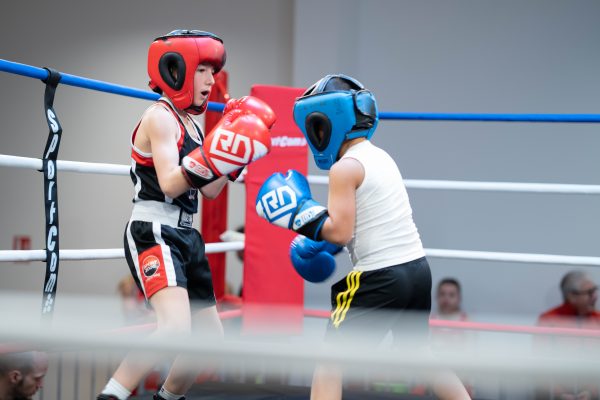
(160, 256)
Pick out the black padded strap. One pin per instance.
(51, 194)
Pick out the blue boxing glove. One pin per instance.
(286, 201)
(313, 260)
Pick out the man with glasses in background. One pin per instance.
(578, 310)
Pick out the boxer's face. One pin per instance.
(203, 83)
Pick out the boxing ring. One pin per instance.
(230, 352)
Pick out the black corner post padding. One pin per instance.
(51, 194)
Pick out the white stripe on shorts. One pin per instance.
(166, 253)
(134, 256)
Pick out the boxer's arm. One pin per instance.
(161, 129)
(345, 176)
(213, 189)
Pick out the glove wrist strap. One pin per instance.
(312, 229)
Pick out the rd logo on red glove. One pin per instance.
(229, 150)
(239, 138)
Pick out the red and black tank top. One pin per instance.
(143, 173)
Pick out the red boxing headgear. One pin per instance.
(183, 51)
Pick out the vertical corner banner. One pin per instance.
(273, 293)
(214, 212)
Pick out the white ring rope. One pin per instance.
(514, 257)
(554, 188)
(117, 169)
(412, 359)
(71, 166)
(98, 254)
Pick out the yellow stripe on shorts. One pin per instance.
(344, 298)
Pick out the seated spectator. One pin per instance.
(449, 298)
(22, 374)
(578, 310)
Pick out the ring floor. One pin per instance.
(235, 391)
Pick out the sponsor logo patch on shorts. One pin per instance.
(150, 265)
(152, 270)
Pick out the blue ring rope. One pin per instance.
(579, 118)
(73, 80)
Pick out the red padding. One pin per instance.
(273, 292)
(214, 212)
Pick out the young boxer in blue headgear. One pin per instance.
(369, 212)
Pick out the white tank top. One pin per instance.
(384, 232)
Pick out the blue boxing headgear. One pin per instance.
(335, 109)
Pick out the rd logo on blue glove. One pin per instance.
(286, 201)
(276, 203)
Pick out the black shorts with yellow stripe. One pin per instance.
(369, 304)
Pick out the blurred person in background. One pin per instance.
(448, 298)
(578, 310)
(133, 303)
(22, 374)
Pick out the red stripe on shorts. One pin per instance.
(152, 270)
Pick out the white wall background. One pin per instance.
(430, 56)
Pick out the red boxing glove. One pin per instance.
(239, 138)
(255, 105)
(233, 176)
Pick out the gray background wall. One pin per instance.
(430, 56)
(108, 41)
(487, 57)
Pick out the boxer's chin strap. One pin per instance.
(51, 194)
